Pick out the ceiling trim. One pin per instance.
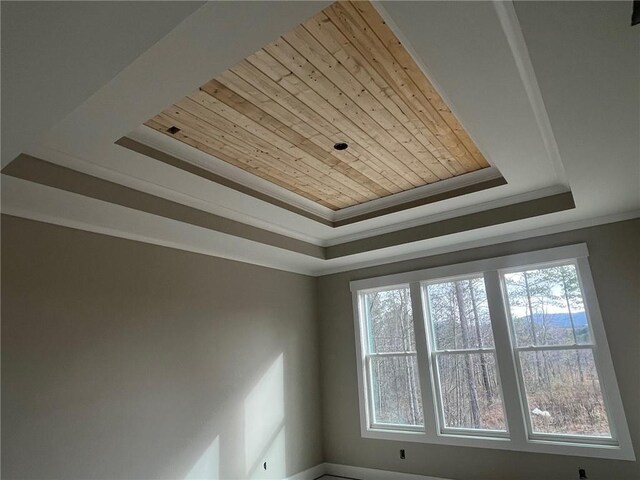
(50, 205)
(485, 218)
(483, 242)
(35, 170)
(420, 200)
(143, 149)
(40, 171)
(417, 197)
(162, 143)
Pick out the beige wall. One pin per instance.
(615, 263)
(124, 360)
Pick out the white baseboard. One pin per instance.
(311, 473)
(361, 473)
(356, 473)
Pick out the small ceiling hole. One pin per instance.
(341, 146)
(173, 130)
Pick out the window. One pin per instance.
(461, 345)
(390, 359)
(555, 352)
(503, 353)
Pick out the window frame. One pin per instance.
(592, 345)
(435, 352)
(366, 356)
(519, 435)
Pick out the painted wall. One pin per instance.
(615, 263)
(125, 360)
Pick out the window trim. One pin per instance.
(592, 345)
(366, 364)
(434, 352)
(517, 437)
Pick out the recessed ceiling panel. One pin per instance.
(336, 111)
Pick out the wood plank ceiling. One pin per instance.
(341, 76)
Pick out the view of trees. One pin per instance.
(393, 364)
(562, 385)
(553, 345)
(469, 388)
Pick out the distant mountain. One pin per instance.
(561, 320)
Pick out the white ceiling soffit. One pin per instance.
(474, 52)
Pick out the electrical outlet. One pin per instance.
(402, 456)
(582, 474)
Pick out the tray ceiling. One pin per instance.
(342, 76)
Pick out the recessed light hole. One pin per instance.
(173, 130)
(341, 146)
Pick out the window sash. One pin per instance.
(556, 437)
(370, 386)
(563, 437)
(541, 265)
(434, 352)
(505, 350)
(440, 402)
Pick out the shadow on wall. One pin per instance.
(264, 433)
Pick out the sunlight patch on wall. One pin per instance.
(264, 425)
(208, 465)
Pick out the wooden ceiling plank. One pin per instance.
(340, 76)
(347, 17)
(268, 163)
(259, 127)
(291, 82)
(249, 92)
(315, 79)
(346, 174)
(326, 33)
(375, 20)
(265, 63)
(365, 42)
(296, 106)
(351, 157)
(425, 92)
(229, 154)
(293, 60)
(318, 56)
(250, 155)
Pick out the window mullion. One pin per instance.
(504, 359)
(424, 363)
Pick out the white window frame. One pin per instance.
(364, 340)
(434, 352)
(517, 436)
